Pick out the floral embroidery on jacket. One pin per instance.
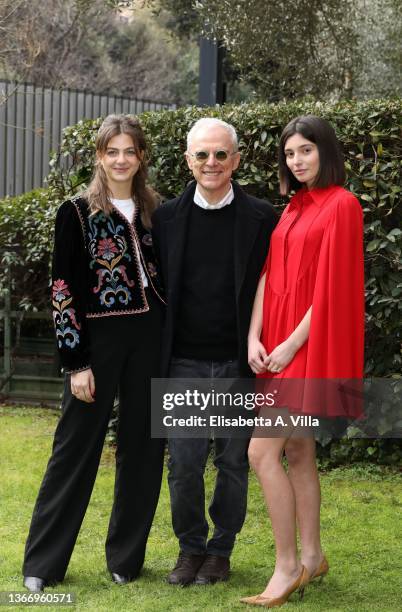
(109, 253)
(107, 249)
(64, 317)
(147, 239)
(152, 269)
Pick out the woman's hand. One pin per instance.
(83, 385)
(256, 355)
(280, 357)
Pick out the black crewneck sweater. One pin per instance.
(206, 326)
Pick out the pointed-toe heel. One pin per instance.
(274, 602)
(321, 571)
(251, 601)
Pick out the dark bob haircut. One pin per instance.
(317, 130)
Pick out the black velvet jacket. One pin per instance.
(96, 273)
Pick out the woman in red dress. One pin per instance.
(307, 323)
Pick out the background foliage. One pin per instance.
(371, 136)
(378, 31)
(290, 48)
(149, 48)
(26, 236)
(91, 45)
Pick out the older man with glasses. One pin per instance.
(211, 242)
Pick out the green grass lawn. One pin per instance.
(361, 526)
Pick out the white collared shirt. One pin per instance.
(202, 202)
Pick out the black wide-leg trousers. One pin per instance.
(125, 354)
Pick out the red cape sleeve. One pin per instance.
(336, 338)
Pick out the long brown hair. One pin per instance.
(98, 192)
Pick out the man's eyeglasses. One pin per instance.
(220, 156)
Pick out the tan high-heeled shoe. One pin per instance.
(321, 571)
(251, 601)
(273, 602)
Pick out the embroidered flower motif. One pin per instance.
(151, 269)
(60, 290)
(107, 249)
(68, 336)
(63, 316)
(112, 277)
(109, 253)
(109, 295)
(147, 239)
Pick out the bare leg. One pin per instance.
(265, 456)
(303, 474)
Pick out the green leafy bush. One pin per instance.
(353, 450)
(26, 236)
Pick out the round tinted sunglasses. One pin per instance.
(220, 156)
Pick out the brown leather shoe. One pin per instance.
(185, 569)
(214, 569)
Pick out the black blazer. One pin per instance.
(254, 223)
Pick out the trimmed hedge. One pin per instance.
(26, 237)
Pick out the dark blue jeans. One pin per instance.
(187, 461)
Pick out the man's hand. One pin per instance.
(83, 385)
(280, 357)
(256, 356)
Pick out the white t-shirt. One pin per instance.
(127, 208)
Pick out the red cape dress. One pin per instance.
(316, 259)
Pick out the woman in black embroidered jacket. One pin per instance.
(107, 310)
